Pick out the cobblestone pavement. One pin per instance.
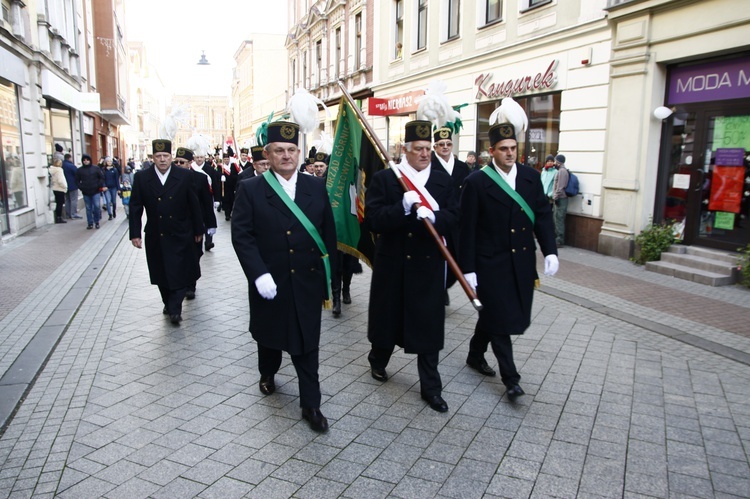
(637, 386)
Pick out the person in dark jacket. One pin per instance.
(444, 159)
(112, 186)
(90, 181)
(408, 278)
(174, 226)
(503, 207)
(71, 197)
(201, 184)
(284, 265)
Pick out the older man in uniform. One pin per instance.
(174, 225)
(444, 159)
(260, 165)
(284, 236)
(503, 207)
(408, 278)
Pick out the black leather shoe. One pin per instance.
(514, 392)
(379, 374)
(346, 297)
(481, 367)
(175, 318)
(190, 295)
(267, 385)
(165, 311)
(336, 309)
(317, 421)
(210, 246)
(436, 402)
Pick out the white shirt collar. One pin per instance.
(448, 165)
(163, 176)
(509, 177)
(289, 186)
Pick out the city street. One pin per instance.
(637, 385)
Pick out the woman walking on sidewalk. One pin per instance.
(59, 188)
(112, 185)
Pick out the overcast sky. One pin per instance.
(175, 33)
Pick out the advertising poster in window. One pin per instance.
(727, 181)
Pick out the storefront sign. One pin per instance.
(724, 220)
(398, 104)
(731, 131)
(727, 181)
(513, 86)
(710, 81)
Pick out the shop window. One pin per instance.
(542, 137)
(396, 135)
(12, 177)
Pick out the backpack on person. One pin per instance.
(572, 188)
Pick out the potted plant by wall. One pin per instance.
(653, 241)
(743, 265)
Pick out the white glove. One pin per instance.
(410, 198)
(551, 265)
(425, 212)
(266, 286)
(223, 178)
(471, 279)
(216, 205)
(211, 231)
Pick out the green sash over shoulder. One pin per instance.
(499, 180)
(307, 224)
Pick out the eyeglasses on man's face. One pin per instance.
(180, 162)
(444, 144)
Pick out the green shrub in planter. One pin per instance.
(652, 241)
(743, 265)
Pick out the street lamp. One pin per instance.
(203, 61)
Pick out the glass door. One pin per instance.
(724, 182)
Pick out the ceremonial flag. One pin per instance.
(354, 161)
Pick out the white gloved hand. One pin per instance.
(471, 279)
(410, 198)
(266, 286)
(211, 231)
(551, 265)
(216, 205)
(425, 212)
(223, 178)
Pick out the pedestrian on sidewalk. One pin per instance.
(90, 181)
(173, 227)
(561, 199)
(111, 186)
(407, 301)
(503, 207)
(71, 196)
(281, 225)
(59, 187)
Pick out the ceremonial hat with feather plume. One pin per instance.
(507, 121)
(434, 107)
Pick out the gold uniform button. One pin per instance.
(513, 250)
(408, 257)
(292, 271)
(158, 199)
(291, 251)
(289, 233)
(524, 248)
(512, 231)
(409, 234)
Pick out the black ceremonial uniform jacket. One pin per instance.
(173, 219)
(497, 242)
(407, 306)
(268, 238)
(215, 175)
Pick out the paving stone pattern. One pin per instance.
(130, 406)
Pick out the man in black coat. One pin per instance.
(215, 175)
(285, 268)
(173, 227)
(408, 277)
(497, 250)
(259, 166)
(231, 171)
(201, 184)
(444, 159)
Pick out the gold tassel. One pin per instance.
(537, 284)
(327, 304)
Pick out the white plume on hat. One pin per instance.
(434, 106)
(510, 112)
(303, 108)
(324, 144)
(172, 122)
(199, 144)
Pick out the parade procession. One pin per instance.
(345, 248)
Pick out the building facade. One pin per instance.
(51, 95)
(207, 115)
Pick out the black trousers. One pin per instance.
(306, 365)
(427, 367)
(503, 350)
(59, 202)
(172, 299)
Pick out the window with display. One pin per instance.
(12, 177)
